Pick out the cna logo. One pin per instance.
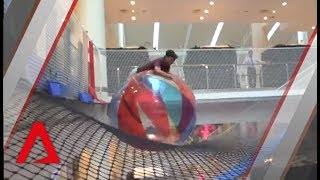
(38, 129)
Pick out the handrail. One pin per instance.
(205, 49)
(233, 76)
(212, 65)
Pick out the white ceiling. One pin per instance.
(175, 35)
(301, 12)
(176, 15)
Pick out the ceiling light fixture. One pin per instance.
(132, 11)
(313, 27)
(133, 18)
(216, 34)
(121, 35)
(156, 28)
(206, 11)
(132, 3)
(284, 3)
(201, 18)
(211, 3)
(274, 11)
(265, 18)
(273, 30)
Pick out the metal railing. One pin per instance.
(216, 76)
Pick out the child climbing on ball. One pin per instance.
(161, 66)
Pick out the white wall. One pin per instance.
(91, 15)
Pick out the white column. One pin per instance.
(259, 36)
(91, 15)
(241, 69)
(112, 36)
(259, 43)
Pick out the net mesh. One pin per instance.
(88, 149)
(34, 62)
(67, 65)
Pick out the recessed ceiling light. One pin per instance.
(265, 18)
(132, 3)
(211, 3)
(133, 18)
(274, 11)
(284, 3)
(132, 11)
(313, 27)
(206, 11)
(201, 18)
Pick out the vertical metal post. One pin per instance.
(235, 75)
(118, 77)
(261, 76)
(287, 70)
(207, 76)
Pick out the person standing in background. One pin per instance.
(251, 68)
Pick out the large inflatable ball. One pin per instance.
(153, 107)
